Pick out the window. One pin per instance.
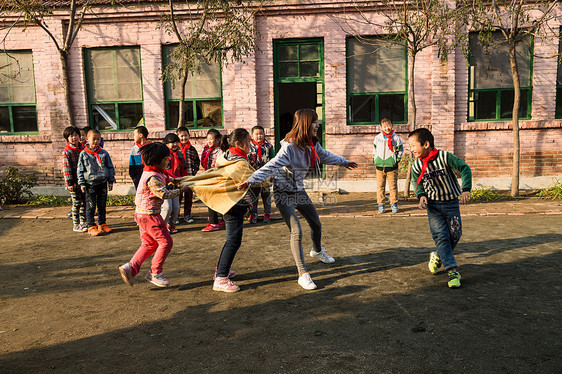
(18, 112)
(299, 60)
(114, 88)
(490, 95)
(558, 113)
(376, 81)
(203, 96)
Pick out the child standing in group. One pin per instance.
(155, 237)
(171, 206)
(211, 152)
(218, 189)
(387, 152)
(300, 152)
(140, 136)
(70, 157)
(192, 161)
(96, 176)
(438, 190)
(261, 151)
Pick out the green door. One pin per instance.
(298, 66)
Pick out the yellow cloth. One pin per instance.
(217, 187)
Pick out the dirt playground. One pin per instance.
(64, 308)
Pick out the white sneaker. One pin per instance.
(322, 256)
(306, 282)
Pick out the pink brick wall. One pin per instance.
(248, 95)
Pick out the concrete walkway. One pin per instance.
(328, 205)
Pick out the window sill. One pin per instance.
(24, 138)
(506, 125)
(363, 129)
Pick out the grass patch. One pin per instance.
(480, 194)
(551, 192)
(119, 200)
(48, 200)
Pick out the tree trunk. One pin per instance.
(412, 119)
(515, 120)
(66, 87)
(182, 98)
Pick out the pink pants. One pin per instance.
(156, 239)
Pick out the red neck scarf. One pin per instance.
(206, 157)
(389, 137)
(259, 148)
(96, 152)
(174, 162)
(313, 155)
(185, 148)
(69, 147)
(238, 152)
(154, 169)
(430, 157)
(142, 145)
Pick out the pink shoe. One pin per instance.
(225, 285)
(231, 274)
(172, 229)
(211, 227)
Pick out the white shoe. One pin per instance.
(306, 282)
(322, 256)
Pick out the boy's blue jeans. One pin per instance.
(446, 228)
(96, 197)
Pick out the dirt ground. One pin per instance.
(64, 308)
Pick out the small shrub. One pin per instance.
(14, 187)
(48, 200)
(486, 194)
(551, 192)
(116, 200)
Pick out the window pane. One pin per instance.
(391, 106)
(17, 84)
(209, 113)
(24, 118)
(308, 52)
(5, 119)
(558, 113)
(127, 65)
(506, 104)
(362, 108)
(288, 53)
(130, 115)
(486, 105)
(100, 87)
(104, 116)
(309, 69)
(375, 65)
(492, 68)
(559, 75)
(288, 69)
(173, 108)
(206, 83)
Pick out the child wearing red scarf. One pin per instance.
(192, 161)
(176, 169)
(70, 157)
(140, 136)
(96, 176)
(438, 191)
(211, 152)
(387, 153)
(155, 237)
(261, 151)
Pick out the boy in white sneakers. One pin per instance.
(387, 152)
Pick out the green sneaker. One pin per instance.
(454, 279)
(434, 263)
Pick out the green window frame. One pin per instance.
(490, 91)
(377, 80)
(203, 96)
(114, 87)
(18, 108)
(558, 110)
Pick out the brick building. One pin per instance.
(305, 57)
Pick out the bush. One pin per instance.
(486, 194)
(13, 187)
(116, 200)
(48, 200)
(552, 192)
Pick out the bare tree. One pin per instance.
(207, 31)
(517, 22)
(417, 24)
(37, 12)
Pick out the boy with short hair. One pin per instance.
(70, 157)
(96, 176)
(438, 191)
(192, 161)
(261, 151)
(387, 153)
(140, 136)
